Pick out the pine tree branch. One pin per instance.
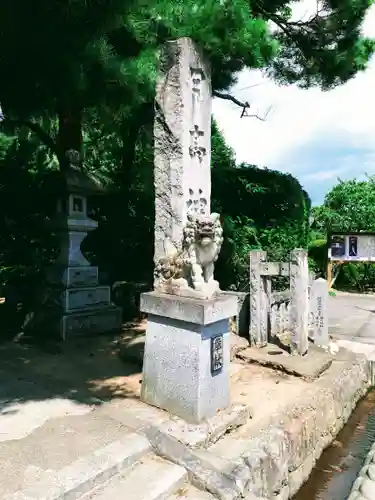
(244, 105)
(229, 97)
(37, 130)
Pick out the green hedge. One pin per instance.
(261, 208)
(318, 255)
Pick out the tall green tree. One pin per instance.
(349, 206)
(63, 59)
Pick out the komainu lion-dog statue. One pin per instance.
(189, 270)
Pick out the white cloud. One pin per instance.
(323, 175)
(299, 117)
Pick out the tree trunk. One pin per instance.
(143, 114)
(70, 132)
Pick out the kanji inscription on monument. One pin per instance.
(217, 360)
(196, 150)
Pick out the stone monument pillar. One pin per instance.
(74, 303)
(187, 351)
(319, 312)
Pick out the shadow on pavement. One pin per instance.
(85, 370)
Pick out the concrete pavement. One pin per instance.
(352, 317)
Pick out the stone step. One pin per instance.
(152, 478)
(78, 478)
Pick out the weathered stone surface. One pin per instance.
(200, 312)
(182, 141)
(84, 298)
(210, 431)
(73, 302)
(281, 453)
(309, 367)
(151, 479)
(308, 427)
(201, 473)
(90, 322)
(237, 344)
(133, 347)
(299, 301)
(84, 474)
(364, 486)
(188, 237)
(178, 373)
(319, 312)
(258, 300)
(367, 489)
(275, 453)
(71, 277)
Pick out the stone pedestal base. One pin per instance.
(75, 304)
(90, 322)
(187, 354)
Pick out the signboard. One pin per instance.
(217, 350)
(352, 247)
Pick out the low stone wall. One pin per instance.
(292, 442)
(364, 485)
(279, 312)
(274, 458)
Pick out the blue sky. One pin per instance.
(317, 136)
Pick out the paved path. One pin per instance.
(352, 317)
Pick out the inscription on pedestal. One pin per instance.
(217, 360)
(87, 297)
(73, 277)
(91, 322)
(82, 276)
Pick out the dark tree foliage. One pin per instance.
(64, 57)
(326, 49)
(81, 74)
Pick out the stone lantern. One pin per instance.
(72, 221)
(75, 302)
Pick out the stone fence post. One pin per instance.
(299, 301)
(259, 303)
(319, 312)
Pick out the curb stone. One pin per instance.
(201, 474)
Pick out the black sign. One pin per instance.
(353, 246)
(338, 246)
(217, 351)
